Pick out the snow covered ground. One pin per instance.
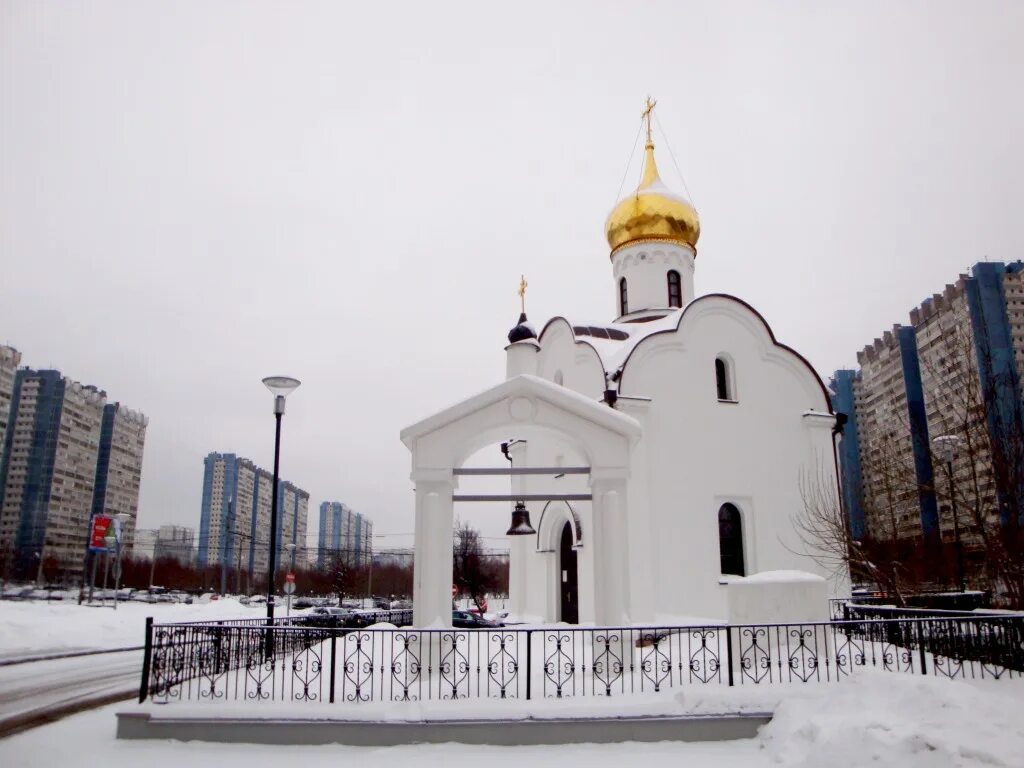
(878, 719)
(37, 627)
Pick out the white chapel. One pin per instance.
(655, 460)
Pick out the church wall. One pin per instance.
(703, 452)
(578, 363)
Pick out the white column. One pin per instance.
(611, 547)
(519, 546)
(432, 569)
(641, 538)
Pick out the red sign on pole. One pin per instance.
(455, 590)
(290, 577)
(98, 534)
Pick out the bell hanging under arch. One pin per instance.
(520, 521)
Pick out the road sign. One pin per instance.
(455, 590)
(289, 578)
(289, 587)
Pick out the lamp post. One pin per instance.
(114, 540)
(229, 530)
(280, 387)
(290, 546)
(946, 447)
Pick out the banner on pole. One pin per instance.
(100, 526)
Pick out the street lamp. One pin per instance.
(114, 540)
(280, 387)
(946, 447)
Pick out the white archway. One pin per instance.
(529, 407)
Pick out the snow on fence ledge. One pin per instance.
(232, 661)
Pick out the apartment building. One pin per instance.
(234, 522)
(345, 533)
(954, 370)
(10, 359)
(51, 468)
(119, 466)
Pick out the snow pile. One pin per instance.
(912, 721)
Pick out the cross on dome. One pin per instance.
(652, 211)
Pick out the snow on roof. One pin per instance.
(782, 577)
(619, 339)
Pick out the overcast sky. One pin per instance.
(195, 195)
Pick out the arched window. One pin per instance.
(675, 289)
(723, 380)
(623, 301)
(730, 540)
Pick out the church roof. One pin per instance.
(613, 350)
(614, 341)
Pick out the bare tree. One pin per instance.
(823, 529)
(473, 574)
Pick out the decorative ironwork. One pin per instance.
(454, 666)
(503, 665)
(607, 665)
(655, 663)
(358, 666)
(559, 666)
(253, 661)
(405, 665)
(306, 668)
(705, 664)
(755, 656)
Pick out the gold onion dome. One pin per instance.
(653, 212)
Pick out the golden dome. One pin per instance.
(653, 212)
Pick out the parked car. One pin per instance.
(332, 618)
(467, 620)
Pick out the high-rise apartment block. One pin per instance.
(10, 359)
(234, 526)
(119, 466)
(345, 534)
(66, 454)
(955, 369)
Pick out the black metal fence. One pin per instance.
(244, 661)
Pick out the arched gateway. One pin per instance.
(526, 407)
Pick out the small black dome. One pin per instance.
(523, 331)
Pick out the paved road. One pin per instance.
(38, 692)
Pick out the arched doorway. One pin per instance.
(569, 579)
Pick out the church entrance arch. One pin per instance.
(530, 409)
(569, 578)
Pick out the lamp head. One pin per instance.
(281, 386)
(946, 446)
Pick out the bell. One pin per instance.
(520, 521)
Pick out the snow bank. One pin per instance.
(876, 718)
(912, 721)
